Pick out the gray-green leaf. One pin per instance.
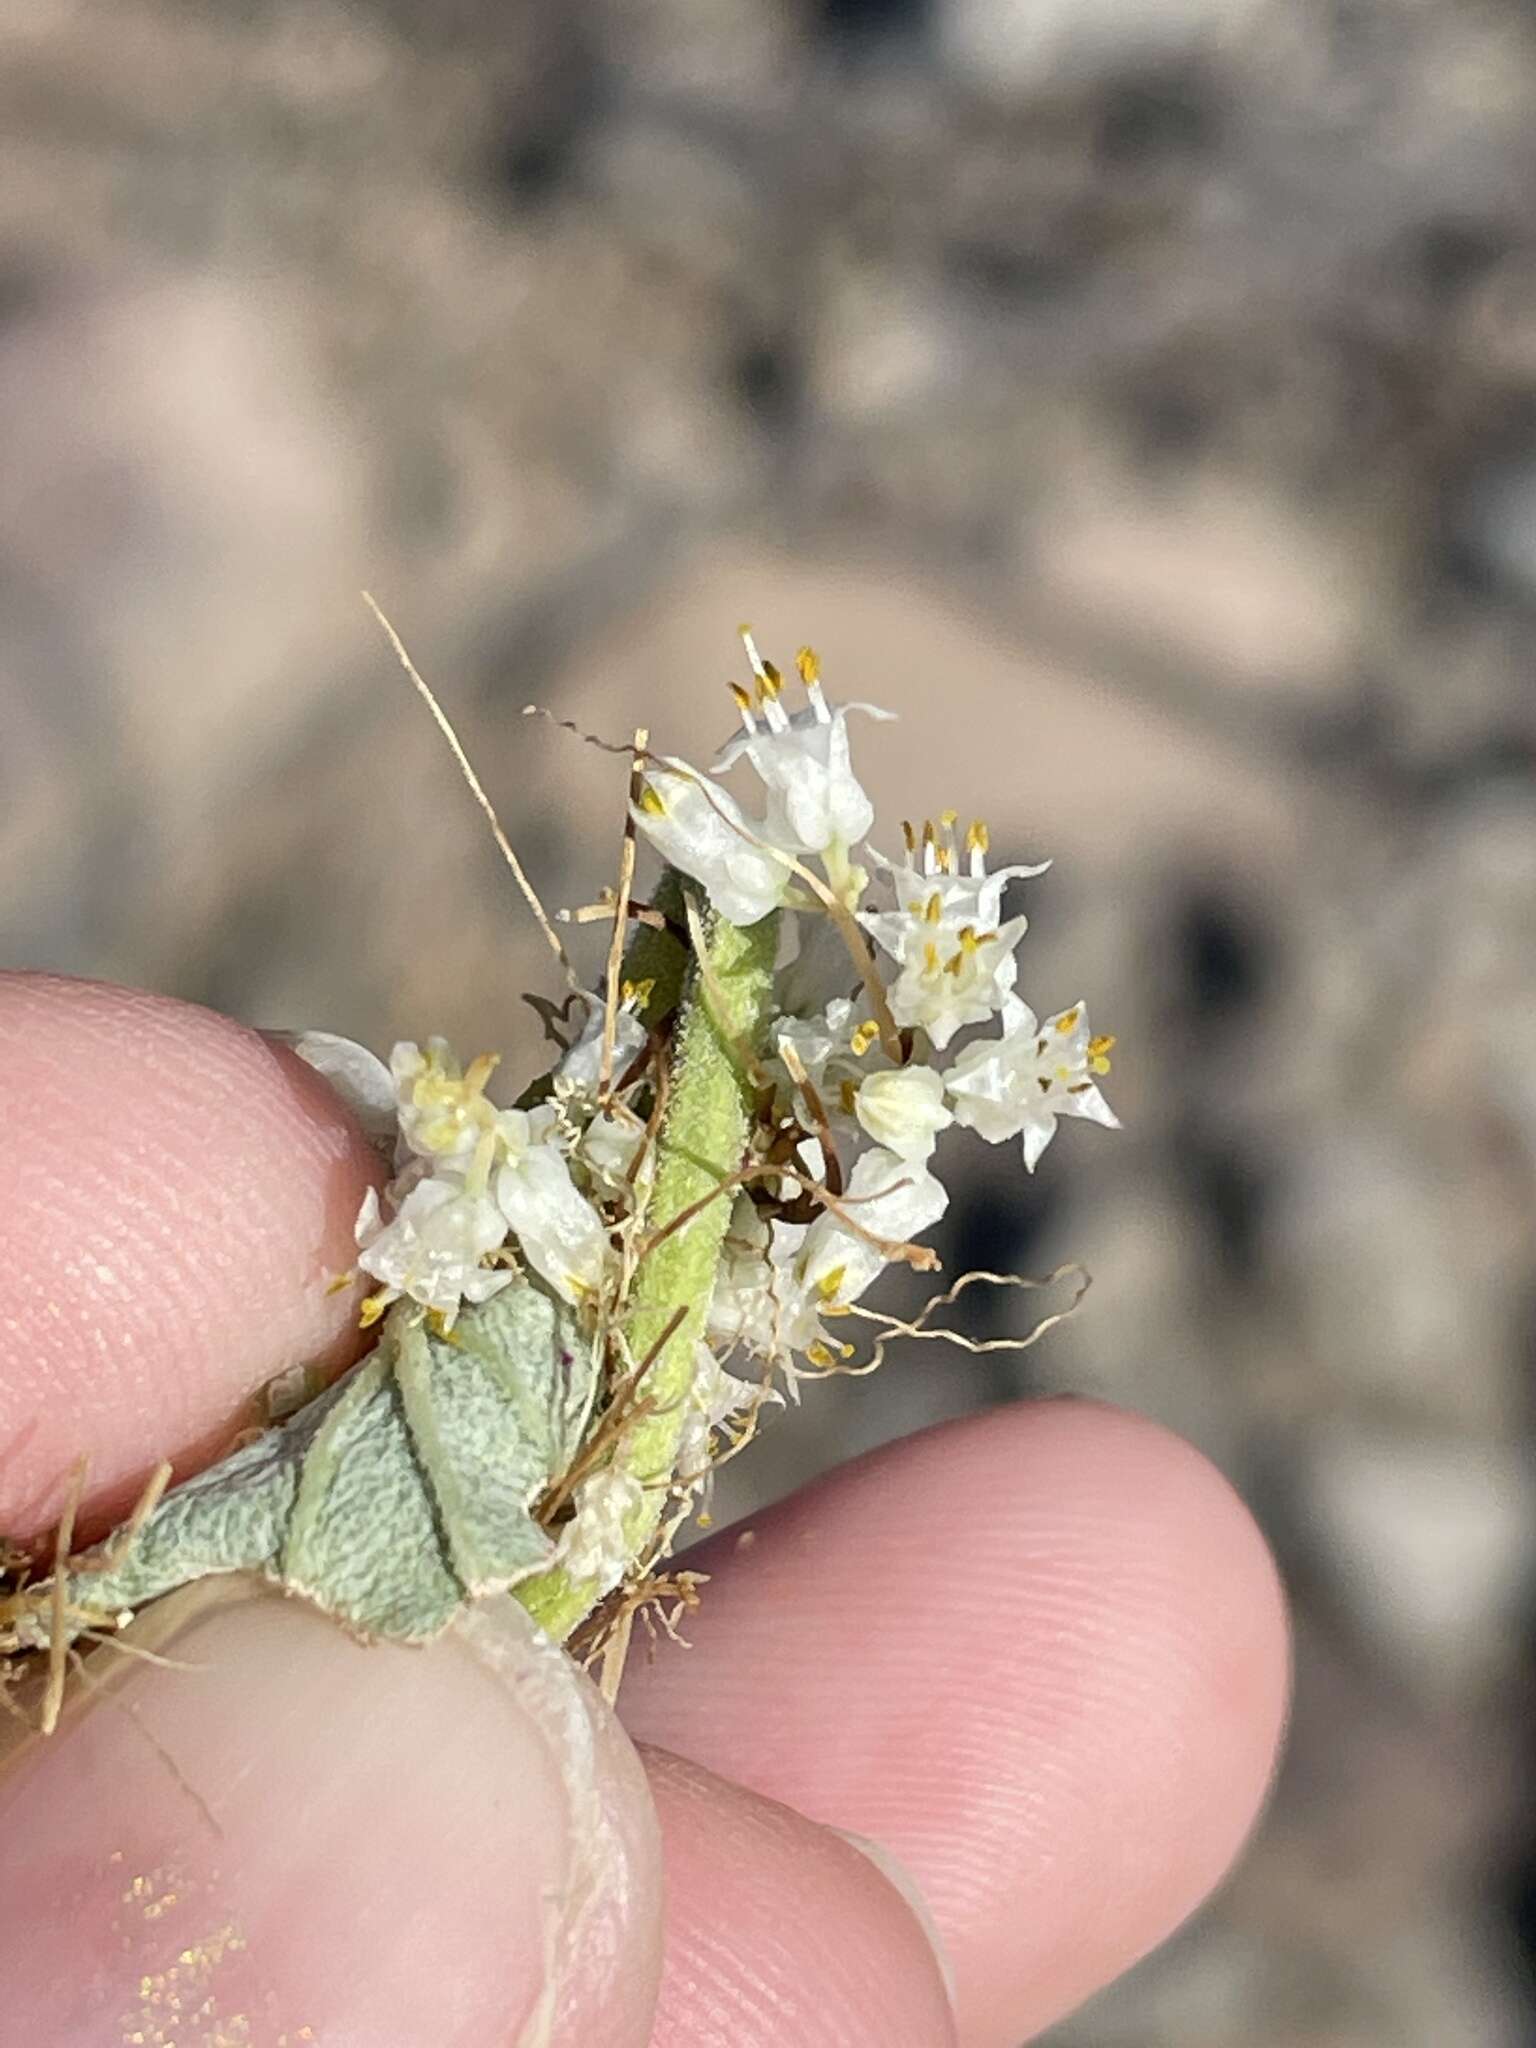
(402, 1491)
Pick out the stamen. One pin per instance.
(829, 1283)
(650, 801)
(1067, 1021)
(743, 705)
(933, 910)
(909, 835)
(864, 1037)
(808, 662)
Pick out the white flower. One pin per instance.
(946, 932)
(703, 832)
(580, 1069)
(887, 1197)
(816, 805)
(561, 1234)
(595, 1544)
(443, 1113)
(903, 1109)
(608, 1148)
(815, 802)
(433, 1247)
(1023, 1080)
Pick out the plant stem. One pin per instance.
(700, 1145)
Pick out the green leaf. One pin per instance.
(401, 1492)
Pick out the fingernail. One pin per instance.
(285, 1837)
(900, 1879)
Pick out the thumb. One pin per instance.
(283, 1837)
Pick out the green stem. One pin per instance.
(700, 1144)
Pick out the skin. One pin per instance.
(1036, 1659)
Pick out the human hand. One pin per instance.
(1037, 1657)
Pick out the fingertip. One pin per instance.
(1040, 1654)
(179, 1194)
(778, 1930)
(279, 1834)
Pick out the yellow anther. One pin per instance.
(929, 835)
(769, 681)
(931, 958)
(818, 1354)
(909, 835)
(636, 994)
(1067, 1021)
(342, 1281)
(849, 1093)
(950, 820)
(864, 1037)
(829, 1283)
(1099, 1050)
(651, 803)
(372, 1309)
(743, 696)
(944, 856)
(808, 661)
(933, 909)
(479, 1071)
(968, 939)
(978, 839)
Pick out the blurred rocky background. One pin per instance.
(1141, 400)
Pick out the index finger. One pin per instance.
(177, 1193)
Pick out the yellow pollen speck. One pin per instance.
(1099, 1050)
(1067, 1021)
(829, 1283)
(371, 1310)
(864, 1037)
(1063, 1073)
(808, 661)
(651, 803)
(342, 1282)
(949, 820)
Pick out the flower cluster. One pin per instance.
(884, 963)
(468, 1176)
(853, 1052)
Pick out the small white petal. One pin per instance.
(903, 1109)
(359, 1077)
(561, 1234)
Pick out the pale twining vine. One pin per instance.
(584, 1300)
